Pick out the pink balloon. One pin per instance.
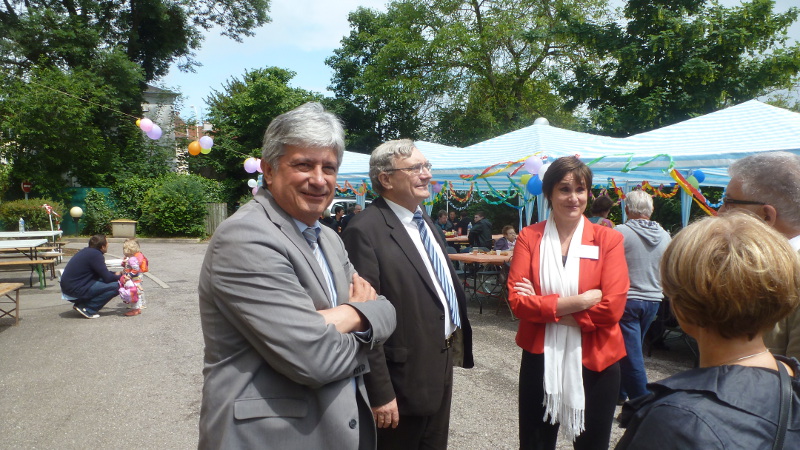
(260, 170)
(154, 132)
(206, 142)
(146, 125)
(255, 190)
(250, 165)
(533, 164)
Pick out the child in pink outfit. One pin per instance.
(134, 265)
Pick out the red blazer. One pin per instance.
(602, 339)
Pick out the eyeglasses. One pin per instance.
(416, 169)
(727, 201)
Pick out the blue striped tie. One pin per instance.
(441, 271)
(310, 234)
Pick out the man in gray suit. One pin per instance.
(286, 320)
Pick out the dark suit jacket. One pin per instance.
(410, 365)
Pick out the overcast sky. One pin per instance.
(300, 36)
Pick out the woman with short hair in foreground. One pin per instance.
(729, 278)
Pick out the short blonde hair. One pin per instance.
(732, 274)
(130, 247)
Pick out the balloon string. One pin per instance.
(75, 97)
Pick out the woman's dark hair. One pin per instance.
(98, 241)
(559, 169)
(601, 204)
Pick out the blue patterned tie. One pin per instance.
(310, 234)
(441, 270)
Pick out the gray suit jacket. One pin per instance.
(275, 375)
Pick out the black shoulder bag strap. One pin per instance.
(785, 383)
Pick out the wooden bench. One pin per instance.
(35, 264)
(6, 289)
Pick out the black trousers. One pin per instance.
(600, 389)
(423, 432)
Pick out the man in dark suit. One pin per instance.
(395, 246)
(286, 320)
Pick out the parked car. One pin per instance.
(345, 202)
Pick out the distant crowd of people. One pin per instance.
(325, 330)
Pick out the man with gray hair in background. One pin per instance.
(287, 322)
(393, 245)
(768, 185)
(645, 243)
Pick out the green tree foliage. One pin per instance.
(152, 33)
(73, 74)
(98, 214)
(176, 206)
(453, 71)
(241, 113)
(673, 60)
(48, 136)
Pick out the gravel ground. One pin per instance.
(135, 383)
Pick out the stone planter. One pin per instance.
(123, 228)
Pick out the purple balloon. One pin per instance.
(250, 165)
(155, 132)
(206, 142)
(436, 187)
(533, 164)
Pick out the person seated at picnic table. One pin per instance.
(481, 233)
(601, 207)
(730, 279)
(443, 222)
(86, 280)
(507, 241)
(463, 225)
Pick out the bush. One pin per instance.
(176, 206)
(128, 196)
(36, 217)
(98, 214)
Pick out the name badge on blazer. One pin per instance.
(589, 252)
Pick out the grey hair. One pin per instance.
(772, 178)
(382, 159)
(308, 125)
(639, 203)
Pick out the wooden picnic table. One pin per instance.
(33, 261)
(463, 239)
(6, 289)
(483, 258)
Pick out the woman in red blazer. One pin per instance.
(568, 286)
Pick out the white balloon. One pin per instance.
(252, 183)
(543, 170)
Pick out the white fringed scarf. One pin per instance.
(563, 380)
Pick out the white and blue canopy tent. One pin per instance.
(710, 143)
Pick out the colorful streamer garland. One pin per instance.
(449, 194)
(696, 195)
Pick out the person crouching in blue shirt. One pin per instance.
(87, 280)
